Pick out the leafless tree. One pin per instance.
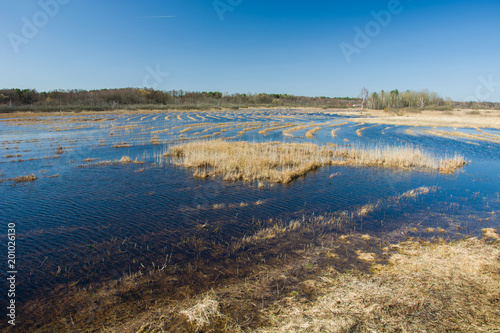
(364, 97)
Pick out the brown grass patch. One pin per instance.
(269, 129)
(203, 312)
(274, 162)
(426, 287)
(23, 179)
(418, 191)
(490, 233)
(456, 134)
(187, 129)
(457, 119)
(126, 160)
(359, 132)
(312, 132)
(121, 145)
(283, 162)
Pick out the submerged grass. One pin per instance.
(283, 162)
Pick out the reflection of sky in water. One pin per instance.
(139, 212)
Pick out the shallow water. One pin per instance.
(93, 223)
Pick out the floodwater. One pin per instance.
(83, 222)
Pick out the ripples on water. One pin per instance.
(97, 223)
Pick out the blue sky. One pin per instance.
(451, 47)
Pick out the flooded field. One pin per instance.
(99, 198)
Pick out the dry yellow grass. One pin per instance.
(288, 132)
(312, 132)
(359, 132)
(248, 129)
(459, 119)
(425, 288)
(121, 145)
(23, 179)
(403, 157)
(490, 233)
(418, 191)
(203, 312)
(456, 134)
(274, 162)
(155, 140)
(187, 129)
(269, 129)
(126, 160)
(283, 162)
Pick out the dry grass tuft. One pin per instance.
(366, 256)
(125, 160)
(482, 136)
(203, 312)
(366, 209)
(155, 140)
(490, 233)
(418, 191)
(283, 162)
(270, 129)
(121, 145)
(288, 132)
(274, 162)
(425, 288)
(359, 132)
(312, 132)
(23, 179)
(403, 157)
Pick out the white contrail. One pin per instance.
(157, 16)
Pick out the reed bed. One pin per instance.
(288, 132)
(274, 162)
(248, 129)
(455, 134)
(312, 132)
(359, 132)
(270, 129)
(284, 162)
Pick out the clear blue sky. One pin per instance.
(260, 46)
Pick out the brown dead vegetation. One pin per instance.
(283, 162)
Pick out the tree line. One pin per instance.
(137, 98)
(145, 98)
(417, 100)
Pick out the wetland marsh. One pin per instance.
(232, 214)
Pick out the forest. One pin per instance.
(13, 100)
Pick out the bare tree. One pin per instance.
(364, 97)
